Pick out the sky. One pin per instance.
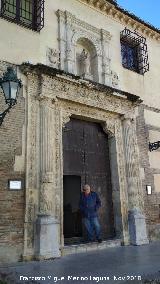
(147, 10)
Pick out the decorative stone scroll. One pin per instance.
(115, 79)
(53, 57)
(66, 118)
(109, 127)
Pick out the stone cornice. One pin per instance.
(72, 19)
(40, 69)
(124, 17)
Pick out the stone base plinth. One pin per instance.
(87, 76)
(46, 237)
(137, 227)
(81, 248)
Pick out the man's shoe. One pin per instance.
(100, 240)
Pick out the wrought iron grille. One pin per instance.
(134, 51)
(29, 13)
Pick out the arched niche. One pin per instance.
(86, 59)
(74, 32)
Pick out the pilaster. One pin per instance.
(106, 61)
(122, 180)
(135, 196)
(61, 38)
(31, 163)
(46, 159)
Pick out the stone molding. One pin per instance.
(73, 20)
(107, 120)
(62, 88)
(112, 125)
(111, 10)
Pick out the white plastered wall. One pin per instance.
(19, 44)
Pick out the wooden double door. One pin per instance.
(86, 161)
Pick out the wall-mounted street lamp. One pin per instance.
(10, 85)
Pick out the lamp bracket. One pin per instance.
(3, 114)
(154, 146)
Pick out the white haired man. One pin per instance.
(89, 204)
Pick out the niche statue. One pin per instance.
(85, 64)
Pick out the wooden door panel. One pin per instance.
(86, 153)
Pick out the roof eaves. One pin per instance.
(136, 18)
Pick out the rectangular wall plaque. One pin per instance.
(15, 184)
(149, 189)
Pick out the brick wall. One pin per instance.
(11, 202)
(151, 202)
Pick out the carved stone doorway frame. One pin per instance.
(51, 101)
(112, 126)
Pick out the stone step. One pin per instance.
(79, 248)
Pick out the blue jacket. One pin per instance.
(89, 204)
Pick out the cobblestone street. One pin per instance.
(129, 264)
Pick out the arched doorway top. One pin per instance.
(108, 125)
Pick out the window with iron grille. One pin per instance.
(134, 51)
(29, 13)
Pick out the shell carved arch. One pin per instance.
(86, 35)
(87, 55)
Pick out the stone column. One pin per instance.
(106, 61)
(31, 163)
(61, 37)
(121, 180)
(135, 198)
(46, 159)
(135, 195)
(46, 224)
(69, 57)
(113, 127)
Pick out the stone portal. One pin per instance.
(99, 134)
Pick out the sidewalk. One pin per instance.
(105, 266)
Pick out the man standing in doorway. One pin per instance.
(89, 204)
